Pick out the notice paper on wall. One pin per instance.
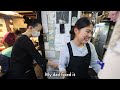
(51, 37)
(67, 38)
(51, 28)
(46, 45)
(51, 17)
(52, 48)
(57, 29)
(50, 54)
(67, 28)
(44, 21)
(59, 40)
(74, 19)
(58, 48)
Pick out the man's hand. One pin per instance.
(52, 64)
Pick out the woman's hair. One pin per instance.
(31, 22)
(17, 32)
(81, 23)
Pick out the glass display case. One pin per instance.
(101, 36)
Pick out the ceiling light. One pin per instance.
(11, 13)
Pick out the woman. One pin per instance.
(24, 52)
(8, 41)
(79, 53)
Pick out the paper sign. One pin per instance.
(46, 46)
(51, 28)
(58, 48)
(50, 54)
(67, 38)
(44, 21)
(74, 19)
(52, 48)
(51, 37)
(51, 17)
(57, 29)
(59, 40)
(51, 42)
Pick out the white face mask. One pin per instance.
(35, 33)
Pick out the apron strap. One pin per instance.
(70, 49)
(88, 47)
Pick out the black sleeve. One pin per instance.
(30, 48)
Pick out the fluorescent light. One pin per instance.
(9, 12)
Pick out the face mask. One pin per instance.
(35, 33)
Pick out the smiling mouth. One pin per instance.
(86, 39)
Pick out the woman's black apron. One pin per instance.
(78, 65)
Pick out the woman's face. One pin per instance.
(36, 30)
(83, 35)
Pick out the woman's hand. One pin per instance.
(62, 74)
